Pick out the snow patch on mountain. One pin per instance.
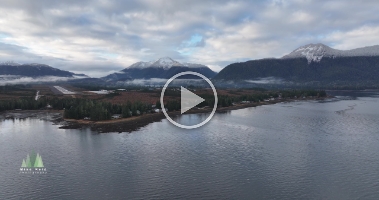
(315, 52)
(141, 65)
(165, 63)
(10, 63)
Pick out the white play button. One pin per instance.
(188, 100)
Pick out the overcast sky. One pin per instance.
(100, 37)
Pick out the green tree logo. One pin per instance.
(32, 161)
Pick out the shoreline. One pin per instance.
(128, 124)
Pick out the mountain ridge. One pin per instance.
(164, 67)
(315, 52)
(165, 63)
(311, 63)
(34, 70)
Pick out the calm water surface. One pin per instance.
(298, 150)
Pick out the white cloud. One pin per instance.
(98, 37)
(360, 37)
(12, 80)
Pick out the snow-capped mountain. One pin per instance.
(314, 64)
(315, 52)
(165, 63)
(162, 68)
(141, 65)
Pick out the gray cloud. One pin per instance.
(99, 37)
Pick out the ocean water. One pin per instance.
(299, 150)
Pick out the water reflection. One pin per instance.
(297, 150)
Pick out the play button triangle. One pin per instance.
(188, 100)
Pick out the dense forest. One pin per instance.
(77, 108)
(225, 100)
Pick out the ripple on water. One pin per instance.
(297, 150)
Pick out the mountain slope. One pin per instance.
(162, 68)
(299, 70)
(33, 70)
(315, 52)
(311, 63)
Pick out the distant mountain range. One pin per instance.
(163, 68)
(315, 64)
(312, 62)
(34, 70)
